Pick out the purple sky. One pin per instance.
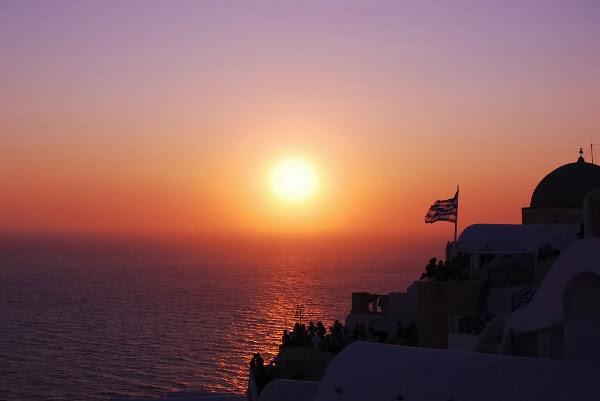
(186, 102)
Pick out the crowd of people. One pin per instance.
(313, 336)
(317, 337)
(454, 269)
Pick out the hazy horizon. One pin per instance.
(65, 243)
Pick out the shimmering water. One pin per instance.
(77, 325)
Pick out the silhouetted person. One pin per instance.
(260, 372)
(431, 268)
(257, 365)
(321, 330)
(312, 330)
(316, 342)
(285, 339)
(337, 327)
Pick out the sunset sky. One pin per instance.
(163, 117)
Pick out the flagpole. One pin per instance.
(456, 219)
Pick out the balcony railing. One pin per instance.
(468, 324)
(510, 276)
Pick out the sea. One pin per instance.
(91, 319)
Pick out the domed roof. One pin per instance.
(565, 187)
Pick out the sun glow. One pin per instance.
(294, 180)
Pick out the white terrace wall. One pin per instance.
(375, 372)
(289, 390)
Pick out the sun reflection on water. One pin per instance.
(144, 325)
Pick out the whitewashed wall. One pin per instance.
(375, 372)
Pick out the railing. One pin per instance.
(510, 276)
(468, 324)
(522, 297)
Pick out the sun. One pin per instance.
(294, 180)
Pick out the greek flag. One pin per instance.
(443, 210)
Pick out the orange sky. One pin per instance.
(115, 120)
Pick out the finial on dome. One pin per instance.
(581, 159)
